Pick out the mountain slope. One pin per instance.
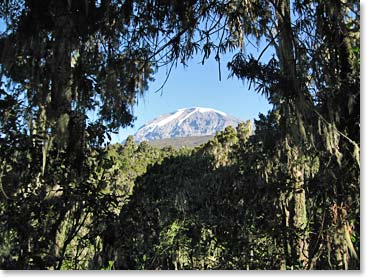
(186, 122)
(179, 142)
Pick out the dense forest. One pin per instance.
(280, 193)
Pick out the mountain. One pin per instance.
(186, 122)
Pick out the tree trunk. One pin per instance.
(299, 213)
(291, 89)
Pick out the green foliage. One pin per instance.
(77, 217)
(166, 218)
(109, 267)
(197, 211)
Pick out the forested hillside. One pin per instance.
(180, 141)
(284, 196)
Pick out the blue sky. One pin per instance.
(197, 85)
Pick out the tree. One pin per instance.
(70, 74)
(317, 55)
(183, 213)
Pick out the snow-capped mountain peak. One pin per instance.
(196, 121)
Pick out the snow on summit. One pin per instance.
(196, 121)
(206, 110)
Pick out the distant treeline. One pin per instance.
(179, 142)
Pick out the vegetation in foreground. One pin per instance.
(286, 197)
